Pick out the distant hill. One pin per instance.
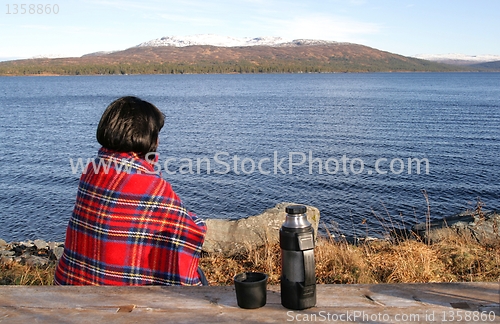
(487, 66)
(287, 57)
(475, 62)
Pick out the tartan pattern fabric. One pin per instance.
(129, 227)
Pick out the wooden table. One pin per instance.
(382, 303)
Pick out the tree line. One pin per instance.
(334, 64)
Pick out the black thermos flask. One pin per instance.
(298, 276)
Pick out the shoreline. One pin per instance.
(467, 219)
(466, 248)
(32, 253)
(451, 257)
(237, 73)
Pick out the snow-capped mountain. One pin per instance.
(227, 41)
(459, 58)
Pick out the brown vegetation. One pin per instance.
(456, 258)
(340, 57)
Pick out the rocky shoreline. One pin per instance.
(231, 236)
(482, 225)
(32, 253)
(224, 236)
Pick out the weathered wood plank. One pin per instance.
(383, 303)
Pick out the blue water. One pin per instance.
(450, 119)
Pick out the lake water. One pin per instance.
(362, 128)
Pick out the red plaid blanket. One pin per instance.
(129, 228)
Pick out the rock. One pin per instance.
(484, 228)
(35, 261)
(26, 244)
(231, 237)
(58, 252)
(7, 253)
(53, 245)
(25, 255)
(6, 256)
(18, 248)
(40, 244)
(6, 259)
(3, 244)
(36, 253)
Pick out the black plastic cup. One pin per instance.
(251, 289)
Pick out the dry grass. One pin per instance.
(455, 258)
(14, 273)
(220, 269)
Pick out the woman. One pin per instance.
(128, 226)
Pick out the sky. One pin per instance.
(406, 27)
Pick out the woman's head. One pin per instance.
(130, 124)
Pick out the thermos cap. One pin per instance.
(296, 209)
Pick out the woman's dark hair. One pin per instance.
(130, 124)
